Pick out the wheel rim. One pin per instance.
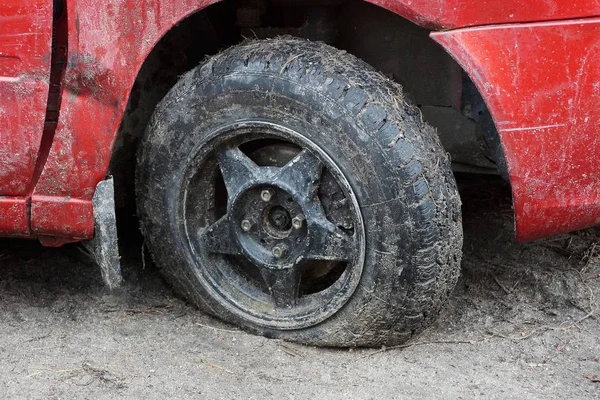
(274, 227)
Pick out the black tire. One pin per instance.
(392, 160)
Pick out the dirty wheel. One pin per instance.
(286, 187)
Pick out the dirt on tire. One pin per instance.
(393, 160)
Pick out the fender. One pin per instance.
(452, 14)
(541, 82)
(106, 48)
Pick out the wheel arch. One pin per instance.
(414, 21)
(107, 51)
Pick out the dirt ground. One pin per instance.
(520, 324)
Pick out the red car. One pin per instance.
(291, 161)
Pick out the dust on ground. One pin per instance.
(521, 324)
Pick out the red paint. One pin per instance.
(541, 82)
(451, 14)
(56, 241)
(76, 217)
(25, 42)
(13, 216)
(526, 73)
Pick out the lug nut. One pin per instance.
(267, 194)
(246, 225)
(279, 251)
(298, 221)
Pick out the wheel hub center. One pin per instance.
(270, 225)
(280, 218)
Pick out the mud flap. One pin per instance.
(104, 246)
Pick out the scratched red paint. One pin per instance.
(451, 14)
(13, 216)
(541, 82)
(552, 168)
(77, 218)
(25, 40)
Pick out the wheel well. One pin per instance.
(395, 46)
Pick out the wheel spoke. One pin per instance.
(328, 242)
(219, 238)
(237, 169)
(283, 285)
(302, 174)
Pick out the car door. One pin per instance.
(25, 58)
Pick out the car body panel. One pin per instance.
(541, 82)
(452, 14)
(107, 46)
(25, 47)
(13, 216)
